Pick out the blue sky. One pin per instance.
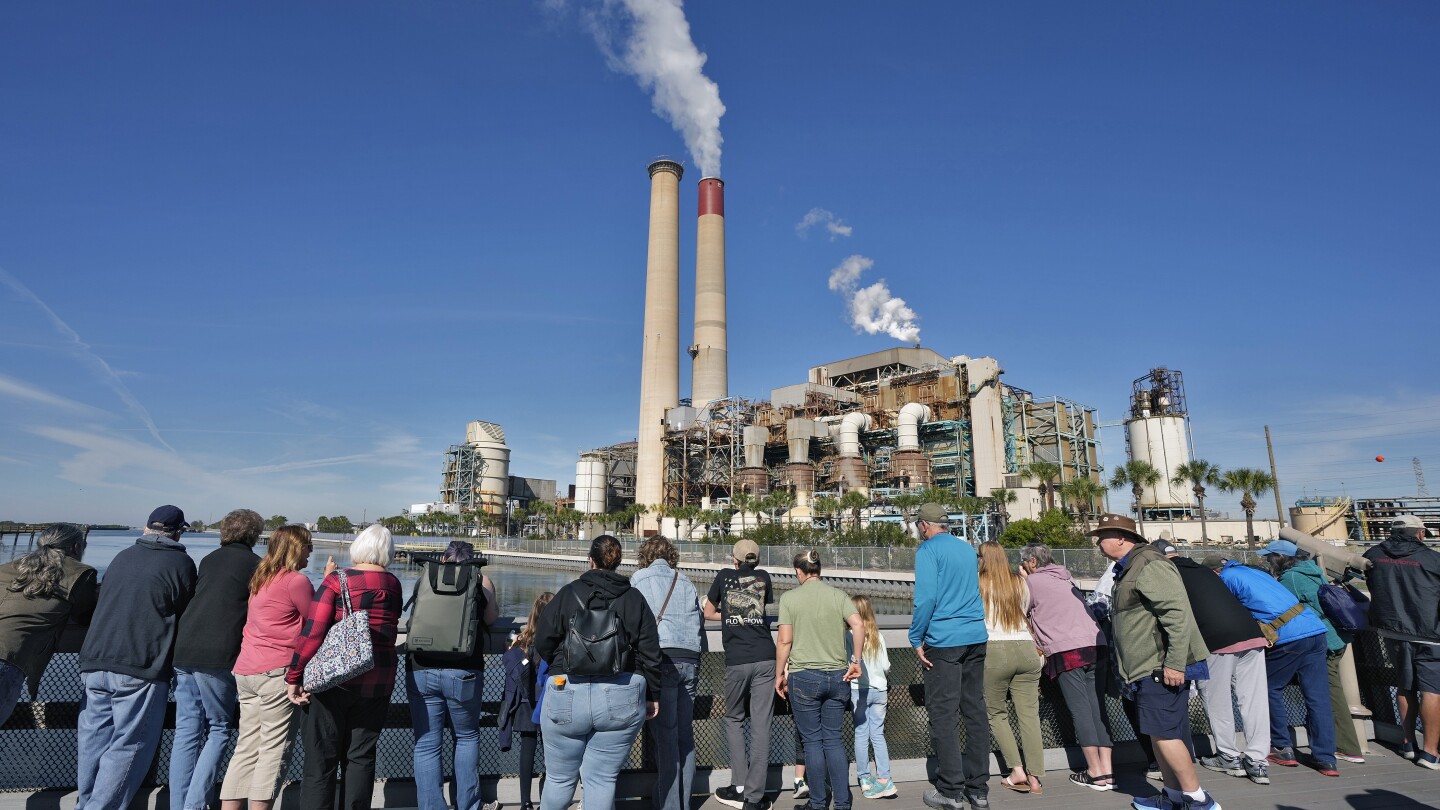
(277, 256)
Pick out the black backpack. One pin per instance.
(449, 603)
(595, 645)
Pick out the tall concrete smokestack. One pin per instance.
(709, 377)
(660, 354)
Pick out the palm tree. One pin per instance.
(1137, 475)
(826, 507)
(971, 507)
(1003, 498)
(854, 500)
(1082, 492)
(1045, 472)
(1199, 474)
(1251, 483)
(905, 502)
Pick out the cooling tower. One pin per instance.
(709, 378)
(660, 352)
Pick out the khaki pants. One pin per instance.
(266, 725)
(1014, 667)
(1346, 740)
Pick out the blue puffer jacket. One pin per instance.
(1266, 599)
(680, 626)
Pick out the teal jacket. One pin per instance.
(1304, 580)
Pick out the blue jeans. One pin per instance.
(119, 728)
(206, 706)
(588, 726)
(435, 696)
(673, 734)
(870, 705)
(817, 699)
(1303, 661)
(12, 685)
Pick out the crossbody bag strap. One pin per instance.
(1284, 618)
(344, 592)
(668, 594)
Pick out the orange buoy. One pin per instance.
(1379, 458)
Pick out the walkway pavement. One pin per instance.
(1384, 782)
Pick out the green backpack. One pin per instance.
(446, 609)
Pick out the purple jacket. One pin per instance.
(1059, 620)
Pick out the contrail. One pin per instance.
(654, 46)
(873, 309)
(106, 373)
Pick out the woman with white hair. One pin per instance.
(345, 721)
(39, 593)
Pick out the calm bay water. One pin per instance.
(516, 586)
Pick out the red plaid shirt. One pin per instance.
(376, 591)
(1070, 659)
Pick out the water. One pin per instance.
(516, 586)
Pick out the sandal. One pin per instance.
(1084, 779)
(1015, 786)
(1038, 789)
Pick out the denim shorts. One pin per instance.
(1164, 711)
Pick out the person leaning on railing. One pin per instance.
(344, 722)
(280, 596)
(206, 647)
(39, 593)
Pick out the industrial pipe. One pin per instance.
(799, 432)
(908, 429)
(850, 428)
(755, 439)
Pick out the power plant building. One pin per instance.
(901, 419)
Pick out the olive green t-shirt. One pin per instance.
(816, 613)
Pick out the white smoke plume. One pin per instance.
(873, 309)
(650, 40)
(834, 225)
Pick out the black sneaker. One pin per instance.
(730, 797)
(763, 804)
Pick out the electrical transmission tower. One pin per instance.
(1421, 491)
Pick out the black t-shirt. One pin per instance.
(741, 597)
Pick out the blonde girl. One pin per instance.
(518, 709)
(1011, 667)
(870, 693)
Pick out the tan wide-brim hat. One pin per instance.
(1117, 523)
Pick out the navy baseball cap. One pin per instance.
(167, 518)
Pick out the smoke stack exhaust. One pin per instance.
(660, 354)
(709, 375)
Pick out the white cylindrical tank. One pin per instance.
(590, 485)
(488, 439)
(1324, 520)
(1161, 441)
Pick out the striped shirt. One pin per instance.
(375, 591)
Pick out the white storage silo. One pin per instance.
(1161, 441)
(488, 439)
(1158, 432)
(590, 484)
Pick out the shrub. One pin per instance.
(1054, 529)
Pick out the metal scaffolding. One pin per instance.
(460, 482)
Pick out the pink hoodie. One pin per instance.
(1058, 615)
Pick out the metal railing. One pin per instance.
(1084, 563)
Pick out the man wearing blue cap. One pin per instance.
(126, 662)
(1296, 652)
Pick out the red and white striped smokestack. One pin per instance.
(660, 354)
(710, 378)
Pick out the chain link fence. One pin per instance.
(38, 743)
